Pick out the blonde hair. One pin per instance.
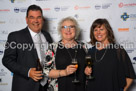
(72, 20)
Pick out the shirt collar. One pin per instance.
(32, 32)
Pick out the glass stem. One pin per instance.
(75, 75)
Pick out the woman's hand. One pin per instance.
(70, 69)
(88, 70)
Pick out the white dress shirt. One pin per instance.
(44, 44)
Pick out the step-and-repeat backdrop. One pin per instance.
(120, 13)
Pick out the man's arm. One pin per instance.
(10, 57)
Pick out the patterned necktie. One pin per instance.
(38, 43)
(40, 52)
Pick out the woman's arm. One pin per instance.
(57, 73)
(60, 73)
(128, 83)
(128, 68)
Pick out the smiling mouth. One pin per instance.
(99, 36)
(36, 23)
(68, 33)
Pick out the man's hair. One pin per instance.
(33, 8)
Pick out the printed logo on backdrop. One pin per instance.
(129, 50)
(57, 8)
(106, 5)
(2, 22)
(103, 6)
(77, 17)
(2, 74)
(131, 17)
(61, 8)
(2, 43)
(17, 21)
(11, 73)
(18, 1)
(129, 44)
(125, 16)
(53, 28)
(123, 29)
(22, 9)
(1, 51)
(134, 60)
(12, 1)
(46, 9)
(121, 5)
(82, 7)
(1, 83)
(134, 28)
(52, 20)
(43, 0)
(97, 7)
(4, 10)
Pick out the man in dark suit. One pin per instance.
(21, 56)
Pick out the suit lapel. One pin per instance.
(30, 41)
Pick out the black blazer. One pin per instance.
(19, 59)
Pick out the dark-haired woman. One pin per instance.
(112, 68)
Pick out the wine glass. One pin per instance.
(89, 63)
(75, 62)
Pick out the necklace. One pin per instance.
(70, 54)
(101, 57)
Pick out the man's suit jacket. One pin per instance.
(19, 59)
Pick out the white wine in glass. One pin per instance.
(89, 63)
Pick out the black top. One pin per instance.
(63, 59)
(109, 71)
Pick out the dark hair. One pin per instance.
(33, 8)
(99, 23)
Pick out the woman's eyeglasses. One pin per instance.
(70, 27)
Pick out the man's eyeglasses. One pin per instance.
(66, 27)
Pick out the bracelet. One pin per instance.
(59, 73)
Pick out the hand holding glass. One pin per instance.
(89, 64)
(74, 62)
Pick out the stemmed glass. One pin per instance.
(75, 62)
(89, 63)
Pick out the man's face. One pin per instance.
(35, 20)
